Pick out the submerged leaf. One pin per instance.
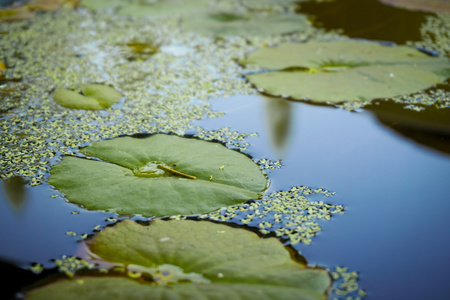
(230, 23)
(190, 260)
(48, 5)
(96, 96)
(13, 14)
(158, 176)
(345, 70)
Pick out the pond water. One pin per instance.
(394, 230)
(391, 176)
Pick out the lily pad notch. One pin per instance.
(344, 70)
(93, 97)
(160, 175)
(185, 259)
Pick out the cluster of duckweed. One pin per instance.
(345, 285)
(65, 49)
(269, 164)
(435, 34)
(438, 98)
(231, 138)
(291, 215)
(68, 265)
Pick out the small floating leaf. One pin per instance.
(190, 260)
(230, 23)
(158, 176)
(345, 70)
(96, 96)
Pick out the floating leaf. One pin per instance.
(230, 23)
(146, 8)
(158, 176)
(424, 5)
(189, 260)
(345, 70)
(96, 96)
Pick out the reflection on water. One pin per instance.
(394, 231)
(15, 192)
(367, 19)
(278, 114)
(429, 127)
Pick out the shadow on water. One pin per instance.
(367, 19)
(394, 231)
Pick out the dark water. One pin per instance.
(366, 19)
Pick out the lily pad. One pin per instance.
(95, 96)
(220, 23)
(146, 8)
(344, 70)
(158, 176)
(189, 260)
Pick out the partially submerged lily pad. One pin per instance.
(189, 260)
(158, 176)
(344, 70)
(95, 96)
(219, 23)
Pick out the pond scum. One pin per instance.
(64, 49)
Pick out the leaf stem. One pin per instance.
(176, 172)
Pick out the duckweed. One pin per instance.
(291, 215)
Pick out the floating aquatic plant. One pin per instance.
(344, 70)
(146, 8)
(223, 23)
(188, 260)
(158, 176)
(95, 96)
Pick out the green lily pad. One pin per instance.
(146, 8)
(189, 260)
(344, 70)
(96, 96)
(229, 23)
(158, 176)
